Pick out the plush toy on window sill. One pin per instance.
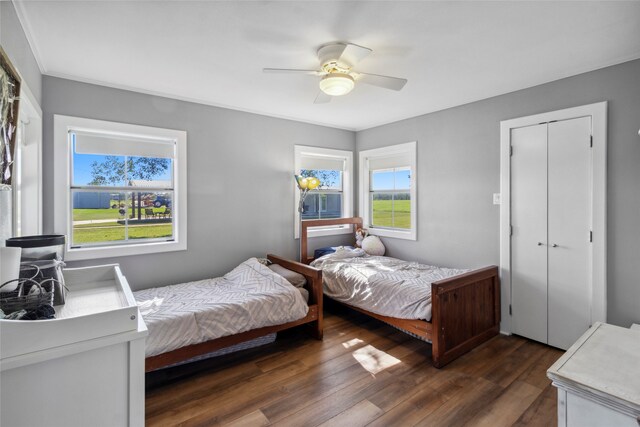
(361, 233)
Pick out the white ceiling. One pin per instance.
(452, 53)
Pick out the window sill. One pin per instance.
(79, 254)
(397, 234)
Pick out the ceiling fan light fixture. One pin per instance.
(337, 84)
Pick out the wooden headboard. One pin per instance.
(304, 257)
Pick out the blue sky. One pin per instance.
(382, 180)
(391, 180)
(82, 168)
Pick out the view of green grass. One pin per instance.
(392, 213)
(93, 214)
(101, 224)
(93, 233)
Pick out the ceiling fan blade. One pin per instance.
(322, 98)
(292, 71)
(387, 82)
(352, 54)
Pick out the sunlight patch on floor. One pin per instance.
(374, 360)
(351, 343)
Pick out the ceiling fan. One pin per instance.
(336, 71)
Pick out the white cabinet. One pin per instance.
(86, 367)
(551, 218)
(598, 379)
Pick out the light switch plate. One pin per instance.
(496, 198)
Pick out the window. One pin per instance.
(390, 197)
(327, 201)
(333, 199)
(388, 190)
(120, 189)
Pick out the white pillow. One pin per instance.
(373, 245)
(293, 277)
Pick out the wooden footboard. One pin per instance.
(465, 313)
(314, 286)
(313, 319)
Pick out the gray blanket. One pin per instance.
(249, 297)
(382, 285)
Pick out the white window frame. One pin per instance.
(27, 168)
(62, 186)
(347, 188)
(408, 148)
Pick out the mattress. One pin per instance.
(251, 296)
(381, 285)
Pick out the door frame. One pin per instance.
(27, 217)
(598, 261)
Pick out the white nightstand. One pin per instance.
(598, 379)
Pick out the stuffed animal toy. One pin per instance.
(373, 245)
(361, 233)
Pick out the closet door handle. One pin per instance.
(554, 245)
(540, 243)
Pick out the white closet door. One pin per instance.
(569, 219)
(529, 239)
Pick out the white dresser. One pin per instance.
(598, 379)
(86, 367)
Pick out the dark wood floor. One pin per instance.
(363, 373)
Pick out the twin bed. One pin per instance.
(454, 309)
(192, 320)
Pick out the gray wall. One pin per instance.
(458, 157)
(241, 186)
(459, 169)
(15, 44)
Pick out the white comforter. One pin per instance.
(380, 284)
(249, 297)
